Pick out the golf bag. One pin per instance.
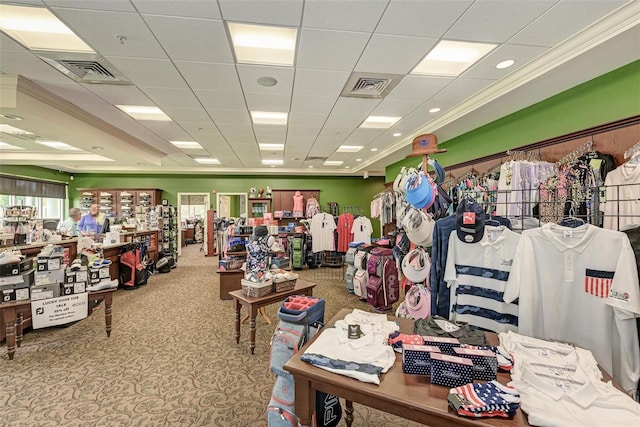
(133, 270)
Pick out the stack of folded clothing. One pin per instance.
(490, 399)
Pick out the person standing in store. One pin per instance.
(90, 223)
(69, 227)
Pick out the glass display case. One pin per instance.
(258, 207)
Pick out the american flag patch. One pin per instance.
(598, 282)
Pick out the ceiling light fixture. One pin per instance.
(451, 58)
(262, 44)
(268, 118)
(349, 148)
(5, 146)
(38, 29)
(141, 112)
(505, 64)
(96, 147)
(374, 149)
(333, 162)
(310, 166)
(274, 147)
(347, 167)
(358, 160)
(193, 145)
(267, 81)
(379, 122)
(58, 145)
(13, 130)
(434, 110)
(397, 134)
(274, 162)
(207, 161)
(10, 117)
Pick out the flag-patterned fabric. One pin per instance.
(598, 282)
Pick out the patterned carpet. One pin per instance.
(171, 359)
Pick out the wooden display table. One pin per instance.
(254, 303)
(13, 314)
(229, 281)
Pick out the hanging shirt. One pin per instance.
(580, 285)
(322, 227)
(622, 205)
(362, 229)
(345, 235)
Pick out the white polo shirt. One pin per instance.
(362, 229)
(580, 285)
(477, 274)
(622, 205)
(322, 227)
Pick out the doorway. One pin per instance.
(192, 219)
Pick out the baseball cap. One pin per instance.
(260, 231)
(470, 218)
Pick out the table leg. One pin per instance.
(263, 311)
(10, 322)
(252, 328)
(348, 412)
(236, 306)
(108, 301)
(19, 320)
(304, 404)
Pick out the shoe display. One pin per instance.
(8, 257)
(76, 265)
(46, 252)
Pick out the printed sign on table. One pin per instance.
(59, 311)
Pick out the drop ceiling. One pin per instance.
(177, 55)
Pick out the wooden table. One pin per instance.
(253, 304)
(409, 396)
(13, 315)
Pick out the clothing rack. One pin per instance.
(355, 210)
(523, 155)
(573, 155)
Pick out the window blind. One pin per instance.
(33, 188)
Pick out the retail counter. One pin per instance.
(34, 249)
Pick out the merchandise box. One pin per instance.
(450, 371)
(14, 292)
(25, 278)
(81, 275)
(445, 344)
(99, 273)
(73, 288)
(485, 364)
(280, 262)
(49, 277)
(40, 292)
(416, 358)
(16, 268)
(48, 264)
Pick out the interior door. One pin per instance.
(192, 209)
(224, 208)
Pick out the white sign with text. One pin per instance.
(59, 311)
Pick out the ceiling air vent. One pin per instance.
(369, 85)
(84, 68)
(314, 158)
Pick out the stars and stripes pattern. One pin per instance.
(487, 400)
(598, 282)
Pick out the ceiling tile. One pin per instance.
(270, 130)
(182, 115)
(426, 18)
(330, 50)
(7, 44)
(172, 98)
(100, 30)
(353, 15)
(563, 20)
(306, 119)
(249, 75)
(190, 8)
(295, 133)
(119, 95)
(396, 107)
(199, 75)
(319, 83)
(405, 51)
(456, 92)
(274, 12)
(267, 102)
(312, 104)
(486, 68)
(74, 93)
(191, 39)
(235, 130)
(137, 70)
(163, 129)
(350, 112)
(30, 67)
(418, 87)
(514, 16)
(113, 5)
(222, 100)
(231, 117)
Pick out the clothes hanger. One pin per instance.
(571, 221)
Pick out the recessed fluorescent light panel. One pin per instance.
(140, 112)
(188, 145)
(38, 29)
(58, 145)
(434, 110)
(5, 146)
(333, 162)
(13, 131)
(505, 64)
(260, 44)
(274, 162)
(207, 161)
(349, 148)
(379, 122)
(269, 118)
(272, 147)
(452, 58)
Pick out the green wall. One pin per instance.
(36, 172)
(346, 191)
(612, 96)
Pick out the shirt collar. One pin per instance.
(631, 173)
(555, 232)
(496, 243)
(583, 391)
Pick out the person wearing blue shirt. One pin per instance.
(89, 223)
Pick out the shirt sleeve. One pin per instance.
(450, 275)
(624, 293)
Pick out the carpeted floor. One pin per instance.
(171, 359)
